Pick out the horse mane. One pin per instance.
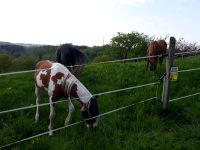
(69, 49)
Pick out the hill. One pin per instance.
(16, 49)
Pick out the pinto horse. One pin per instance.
(156, 48)
(71, 57)
(58, 82)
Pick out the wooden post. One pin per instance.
(169, 64)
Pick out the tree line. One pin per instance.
(122, 46)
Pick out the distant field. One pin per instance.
(143, 126)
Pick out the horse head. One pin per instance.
(90, 112)
(89, 106)
(153, 64)
(152, 51)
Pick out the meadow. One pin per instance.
(143, 126)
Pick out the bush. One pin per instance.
(5, 62)
(23, 63)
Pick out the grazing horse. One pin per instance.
(156, 48)
(58, 82)
(163, 49)
(71, 57)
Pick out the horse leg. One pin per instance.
(147, 64)
(37, 93)
(51, 116)
(161, 60)
(71, 109)
(158, 60)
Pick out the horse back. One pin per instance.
(67, 55)
(153, 49)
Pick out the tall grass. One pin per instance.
(143, 126)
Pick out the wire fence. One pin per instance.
(98, 94)
(191, 52)
(76, 123)
(103, 114)
(189, 70)
(183, 97)
(105, 62)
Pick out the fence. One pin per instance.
(165, 95)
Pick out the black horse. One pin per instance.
(71, 57)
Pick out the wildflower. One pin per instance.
(32, 141)
(9, 88)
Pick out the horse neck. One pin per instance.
(82, 92)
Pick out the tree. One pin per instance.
(123, 43)
(23, 63)
(185, 46)
(5, 62)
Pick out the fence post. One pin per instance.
(169, 64)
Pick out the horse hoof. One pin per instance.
(66, 122)
(87, 125)
(94, 125)
(36, 118)
(50, 133)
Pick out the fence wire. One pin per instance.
(183, 97)
(191, 52)
(188, 70)
(98, 94)
(105, 62)
(103, 114)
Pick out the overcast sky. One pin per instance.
(94, 22)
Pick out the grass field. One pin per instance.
(143, 126)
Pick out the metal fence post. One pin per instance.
(169, 64)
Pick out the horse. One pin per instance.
(163, 49)
(155, 48)
(71, 57)
(55, 79)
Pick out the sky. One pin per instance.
(95, 22)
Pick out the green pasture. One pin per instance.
(143, 126)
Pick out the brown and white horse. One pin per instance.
(58, 82)
(156, 48)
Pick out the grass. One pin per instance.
(143, 126)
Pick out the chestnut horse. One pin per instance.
(156, 48)
(58, 82)
(70, 57)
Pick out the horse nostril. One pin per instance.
(95, 123)
(152, 67)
